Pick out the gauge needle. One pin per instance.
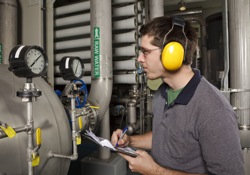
(35, 60)
(76, 67)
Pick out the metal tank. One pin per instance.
(48, 114)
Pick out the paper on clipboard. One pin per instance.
(106, 143)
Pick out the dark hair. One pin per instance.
(158, 28)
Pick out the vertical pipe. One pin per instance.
(74, 132)
(30, 124)
(8, 28)
(101, 62)
(239, 58)
(103, 153)
(156, 8)
(224, 82)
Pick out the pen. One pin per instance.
(122, 135)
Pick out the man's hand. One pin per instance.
(115, 137)
(143, 163)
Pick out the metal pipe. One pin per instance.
(239, 58)
(74, 132)
(126, 10)
(156, 8)
(101, 49)
(74, 31)
(224, 79)
(103, 153)
(86, 54)
(74, 135)
(17, 130)
(69, 44)
(77, 7)
(30, 123)
(72, 20)
(8, 28)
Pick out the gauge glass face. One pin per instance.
(77, 67)
(35, 60)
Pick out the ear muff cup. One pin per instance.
(172, 56)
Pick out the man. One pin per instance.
(194, 127)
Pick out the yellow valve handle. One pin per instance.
(35, 159)
(95, 107)
(78, 140)
(9, 131)
(80, 122)
(38, 136)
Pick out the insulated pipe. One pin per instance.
(101, 62)
(156, 8)
(116, 2)
(127, 10)
(72, 20)
(74, 31)
(239, 62)
(82, 54)
(77, 7)
(128, 37)
(129, 23)
(8, 28)
(70, 44)
(129, 50)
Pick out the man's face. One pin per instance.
(149, 58)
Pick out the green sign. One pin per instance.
(1, 53)
(97, 52)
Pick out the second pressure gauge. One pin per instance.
(28, 61)
(71, 68)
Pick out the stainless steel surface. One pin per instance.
(8, 27)
(101, 86)
(48, 114)
(239, 58)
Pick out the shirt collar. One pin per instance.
(187, 92)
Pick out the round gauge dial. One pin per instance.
(71, 68)
(28, 61)
(35, 61)
(77, 67)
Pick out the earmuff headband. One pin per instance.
(173, 53)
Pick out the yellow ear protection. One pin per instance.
(173, 53)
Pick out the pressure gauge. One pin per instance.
(28, 61)
(71, 68)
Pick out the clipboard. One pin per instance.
(107, 144)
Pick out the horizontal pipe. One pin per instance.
(129, 23)
(72, 20)
(125, 37)
(77, 7)
(118, 79)
(126, 79)
(70, 44)
(129, 50)
(17, 130)
(118, 65)
(127, 10)
(82, 54)
(117, 2)
(74, 31)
